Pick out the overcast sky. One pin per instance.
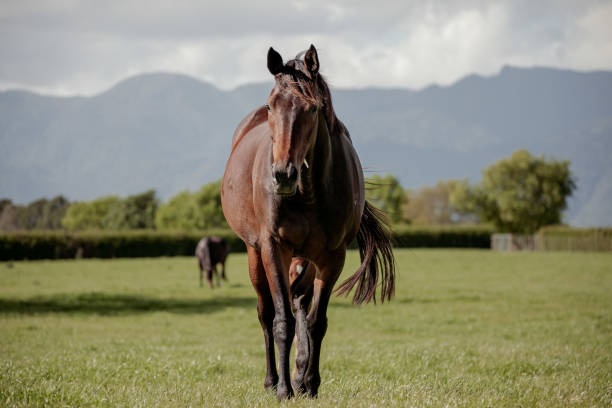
(83, 47)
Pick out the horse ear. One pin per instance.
(311, 59)
(275, 61)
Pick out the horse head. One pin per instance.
(293, 107)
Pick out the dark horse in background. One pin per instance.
(210, 252)
(293, 191)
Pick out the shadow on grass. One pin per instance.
(113, 304)
(460, 298)
(411, 300)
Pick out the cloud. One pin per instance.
(85, 46)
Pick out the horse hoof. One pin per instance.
(270, 384)
(312, 393)
(312, 386)
(298, 386)
(284, 393)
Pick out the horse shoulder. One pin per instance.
(252, 120)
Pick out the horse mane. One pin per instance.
(296, 78)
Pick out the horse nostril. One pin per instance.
(286, 176)
(292, 173)
(280, 176)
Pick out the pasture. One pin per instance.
(466, 328)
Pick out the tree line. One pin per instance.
(187, 211)
(518, 194)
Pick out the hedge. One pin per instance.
(104, 244)
(442, 237)
(574, 239)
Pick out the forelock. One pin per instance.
(296, 79)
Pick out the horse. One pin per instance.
(293, 191)
(211, 251)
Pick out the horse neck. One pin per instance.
(314, 180)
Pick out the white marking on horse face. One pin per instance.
(299, 268)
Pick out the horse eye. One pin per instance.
(267, 106)
(313, 109)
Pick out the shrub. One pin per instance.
(442, 237)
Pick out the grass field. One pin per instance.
(466, 328)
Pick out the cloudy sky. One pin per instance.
(83, 47)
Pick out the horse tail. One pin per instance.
(376, 253)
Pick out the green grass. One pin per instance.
(466, 328)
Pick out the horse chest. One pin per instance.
(308, 230)
(292, 228)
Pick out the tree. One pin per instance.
(432, 205)
(9, 215)
(520, 194)
(52, 214)
(111, 212)
(387, 194)
(208, 200)
(5, 202)
(133, 212)
(193, 211)
(30, 215)
(178, 213)
(89, 214)
(39, 214)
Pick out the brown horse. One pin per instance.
(293, 191)
(211, 251)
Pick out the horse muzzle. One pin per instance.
(285, 179)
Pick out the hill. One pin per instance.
(172, 132)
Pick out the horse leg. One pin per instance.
(201, 274)
(276, 260)
(302, 274)
(265, 312)
(329, 271)
(216, 274)
(209, 273)
(223, 271)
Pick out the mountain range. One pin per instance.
(172, 132)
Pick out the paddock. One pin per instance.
(466, 328)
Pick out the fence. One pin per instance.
(556, 239)
(574, 239)
(513, 242)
